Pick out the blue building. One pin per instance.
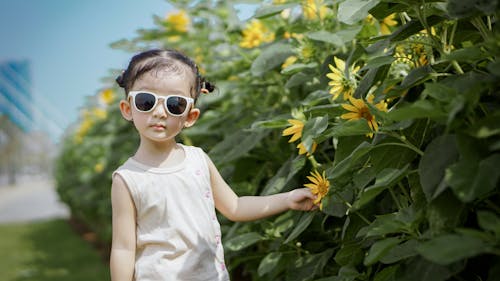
(16, 101)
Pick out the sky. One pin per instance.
(67, 45)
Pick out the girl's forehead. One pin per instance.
(164, 81)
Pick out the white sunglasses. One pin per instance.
(145, 101)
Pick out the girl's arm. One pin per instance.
(247, 208)
(122, 260)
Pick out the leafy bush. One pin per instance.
(394, 102)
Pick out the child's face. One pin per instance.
(159, 125)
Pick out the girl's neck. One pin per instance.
(161, 155)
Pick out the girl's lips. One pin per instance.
(158, 126)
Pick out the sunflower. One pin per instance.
(340, 83)
(359, 109)
(289, 61)
(386, 23)
(178, 21)
(295, 130)
(255, 34)
(107, 96)
(303, 150)
(318, 185)
(313, 9)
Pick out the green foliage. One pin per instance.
(414, 178)
(48, 251)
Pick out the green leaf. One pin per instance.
(304, 221)
(489, 221)
(415, 77)
(271, 10)
(382, 225)
(348, 162)
(438, 155)
(400, 252)
(312, 129)
(271, 57)
(308, 266)
(298, 67)
(379, 248)
(440, 92)
(450, 248)
(349, 128)
(385, 179)
(278, 122)
(377, 62)
(352, 11)
(235, 145)
(326, 36)
(345, 255)
(470, 180)
(269, 262)
(487, 127)
(419, 269)
(470, 55)
(468, 8)
(387, 274)
(418, 109)
(242, 241)
(297, 79)
(283, 176)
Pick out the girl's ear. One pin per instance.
(192, 117)
(126, 110)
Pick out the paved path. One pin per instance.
(30, 200)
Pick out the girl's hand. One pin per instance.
(301, 199)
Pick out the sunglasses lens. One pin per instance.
(176, 105)
(145, 101)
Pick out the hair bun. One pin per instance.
(120, 80)
(206, 87)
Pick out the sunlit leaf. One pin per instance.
(352, 11)
(271, 57)
(242, 241)
(269, 262)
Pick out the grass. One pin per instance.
(48, 250)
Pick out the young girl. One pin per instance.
(164, 196)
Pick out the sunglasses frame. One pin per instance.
(132, 95)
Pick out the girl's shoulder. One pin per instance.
(190, 149)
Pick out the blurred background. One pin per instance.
(54, 55)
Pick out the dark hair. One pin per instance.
(158, 60)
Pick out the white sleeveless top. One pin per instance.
(178, 235)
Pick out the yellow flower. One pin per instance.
(107, 96)
(370, 19)
(314, 8)
(318, 185)
(255, 34)
(174, 38)
(358, 109)
(178, 21)
(303, 150)
(340, 83)
(386, 23)
(289, 61)
(99, 113)
(83, 129)
(307, 51)
(99, 167)
(295, 130)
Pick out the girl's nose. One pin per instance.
(160, 110)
